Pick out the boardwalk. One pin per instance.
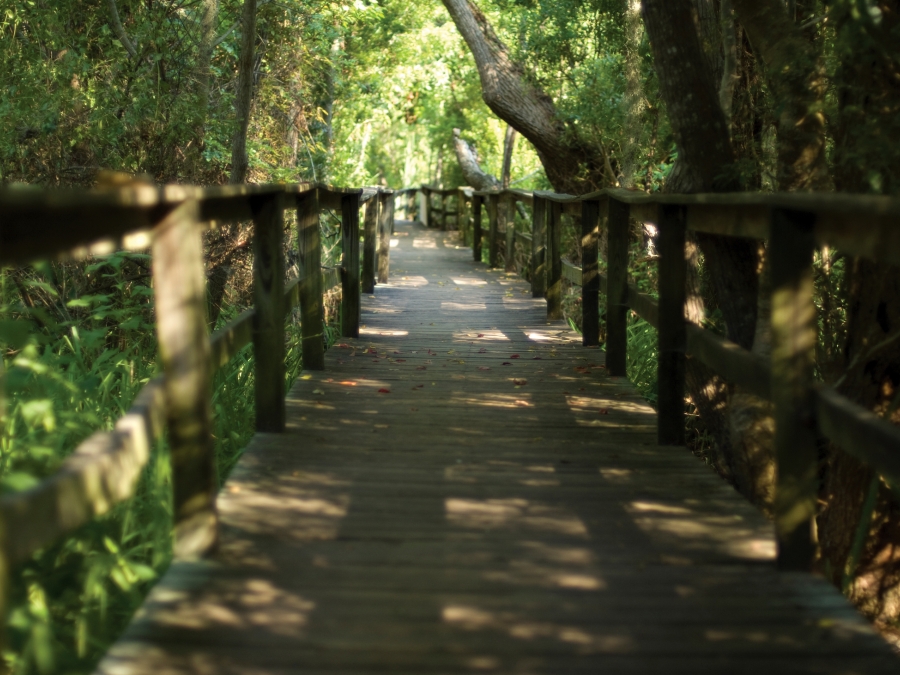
(463, 490)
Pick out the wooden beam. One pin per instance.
(792, 241)
(268, 303)
(312, 310)
(750, 371)
(617, 287)
(506, 213)
(350, 297)
(385, 226)
(672, 337)
(477, 201)
(179, 281)
(538, 247)
(590, 273)
(493, 236)
(370, 239)
(554, 261)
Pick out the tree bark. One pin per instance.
(509, 143)
(797, 81)
(571, 165)
(471, 170)
(244, 98)
(634, 94)
(119, 29)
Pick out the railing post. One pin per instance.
(617, 287)
(493, 237)
(268, 302)
(179, 281)
(554, 262)
(672, 330)
(538, 247)
(385, 222)
(426, 211)
(477, 201)
(443, 211)
(508, 210)
(370, 225)
(350, 295)
(793, 354)
(411, 205)
(590, 273)
(312, 310)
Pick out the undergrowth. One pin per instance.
(69, 371)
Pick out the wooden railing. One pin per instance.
(104, 469)
(794, 225)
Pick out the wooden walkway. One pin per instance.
(463, 490)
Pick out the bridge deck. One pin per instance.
(464, 490)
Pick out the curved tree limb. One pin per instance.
(119, 29)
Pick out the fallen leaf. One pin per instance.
(384, 391)
(400, 361)
(414, 409)
(348, 383)
(418, 386)
(520, 383)
(452, 351)
(603, 411)
(320, 392)
(483, 368)
(481, 335)
(514, 356)
(371, 350)
(374, 360)
(524, 404)
(421, 367)
(506, 363)
(306, 377)
(482, 351)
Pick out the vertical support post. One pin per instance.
(443, 211)
(538, 247)
(590, 273)
(493, 238)
(312, 309)
(350, 296)
(268, 301)
(793, 354)
(461, 214)
(426, 206)
(370, 224)
(411, 205)
(617, 287)
(179, 281)
(508, 217)
(385, 222)
(672, 330)
(477, 201)
(554, 262)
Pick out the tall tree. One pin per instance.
(243, 100)
(571, 164)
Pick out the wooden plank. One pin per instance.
(350, 296)
(572, 273)
(617, 301)
(370, 225)
(791, 248)
(645, 306)
(444, 226)
(525, 238)
(312, 310)
(268, 304)
(554, 261)
(538, 247)
(493, 234)
(179, 282)
(735, 364)
(672, 337)
(590, 273)
(860, 433)
(332, 277)
(477, 201)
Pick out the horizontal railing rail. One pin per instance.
(170, 221)
(794, 224)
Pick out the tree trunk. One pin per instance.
(797, 81)
(244, 95)
(867, 159)
(509, 143)
(571, 165)
(634, 95)
(471, 170)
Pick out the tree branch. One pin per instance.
(119, 29)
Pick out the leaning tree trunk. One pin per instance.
(571, 165)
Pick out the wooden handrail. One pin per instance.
(104, 469)
(862, 225)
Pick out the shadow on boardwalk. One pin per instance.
(463, 490)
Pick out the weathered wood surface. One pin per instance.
(464, 523)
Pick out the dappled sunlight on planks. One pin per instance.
(513, 513)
